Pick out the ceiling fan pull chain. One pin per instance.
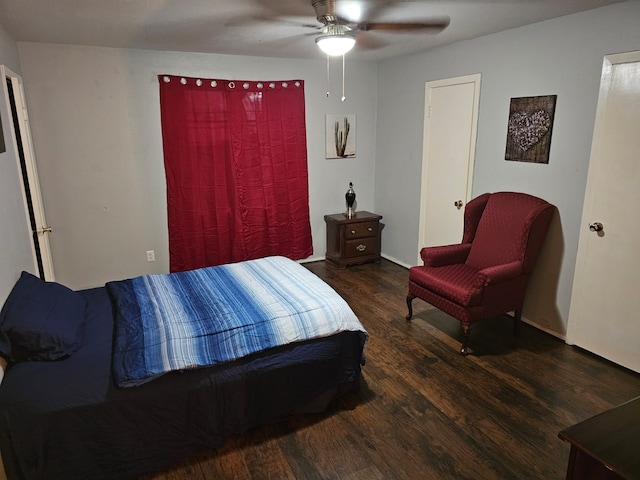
(327, 76)
(343, 63)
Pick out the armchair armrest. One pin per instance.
(499, 273)
(445, 254)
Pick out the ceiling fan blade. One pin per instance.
(251, 20)
(288, 40)
(369, 42)
(433, 25)
(289, 8)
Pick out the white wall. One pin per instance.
(96, 129)
(560, 57)
(15, 247)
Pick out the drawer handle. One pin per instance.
(370, 229)
(361, 248)
(353, 232)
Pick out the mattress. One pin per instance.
(212, 315)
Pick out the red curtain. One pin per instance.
(235, 157)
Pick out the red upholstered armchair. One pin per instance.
(487, 273)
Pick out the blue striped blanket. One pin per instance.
(217, 314)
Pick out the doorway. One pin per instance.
(603, 316)
(451, 119)
(19, 129)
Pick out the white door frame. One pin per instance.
(475, 79)
(27, 152)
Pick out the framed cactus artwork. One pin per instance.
(340, 136)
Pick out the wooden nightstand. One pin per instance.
(605, 447)
(355, 240)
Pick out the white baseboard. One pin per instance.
(395, 260)
(544, 329)
(311, 259)
(391, 259)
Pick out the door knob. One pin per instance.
(458, 204)
(596, 227)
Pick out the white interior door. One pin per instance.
(451, 117)
(603, 316)
(20, 131)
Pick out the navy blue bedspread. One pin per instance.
(67, 419)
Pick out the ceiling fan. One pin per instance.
(345, 22)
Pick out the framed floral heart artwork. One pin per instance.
(529, 129)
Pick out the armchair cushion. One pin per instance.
(503, 231)
(459, 283)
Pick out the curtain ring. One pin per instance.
(232, 85)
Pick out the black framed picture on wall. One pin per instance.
(529, 129)
(3, 147)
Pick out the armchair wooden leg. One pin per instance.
(465, 339)
(517, 317)
(410, 306)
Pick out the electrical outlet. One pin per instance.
(151, 256)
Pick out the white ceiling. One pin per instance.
(272, 28)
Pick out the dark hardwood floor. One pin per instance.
(424, 411)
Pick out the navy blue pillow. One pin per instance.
(41, 321)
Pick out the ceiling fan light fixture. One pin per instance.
(336, 45)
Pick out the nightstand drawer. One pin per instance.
(361, 247)
(362, 229)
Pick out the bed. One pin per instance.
(68, 411)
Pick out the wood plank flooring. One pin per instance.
(424, 411)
